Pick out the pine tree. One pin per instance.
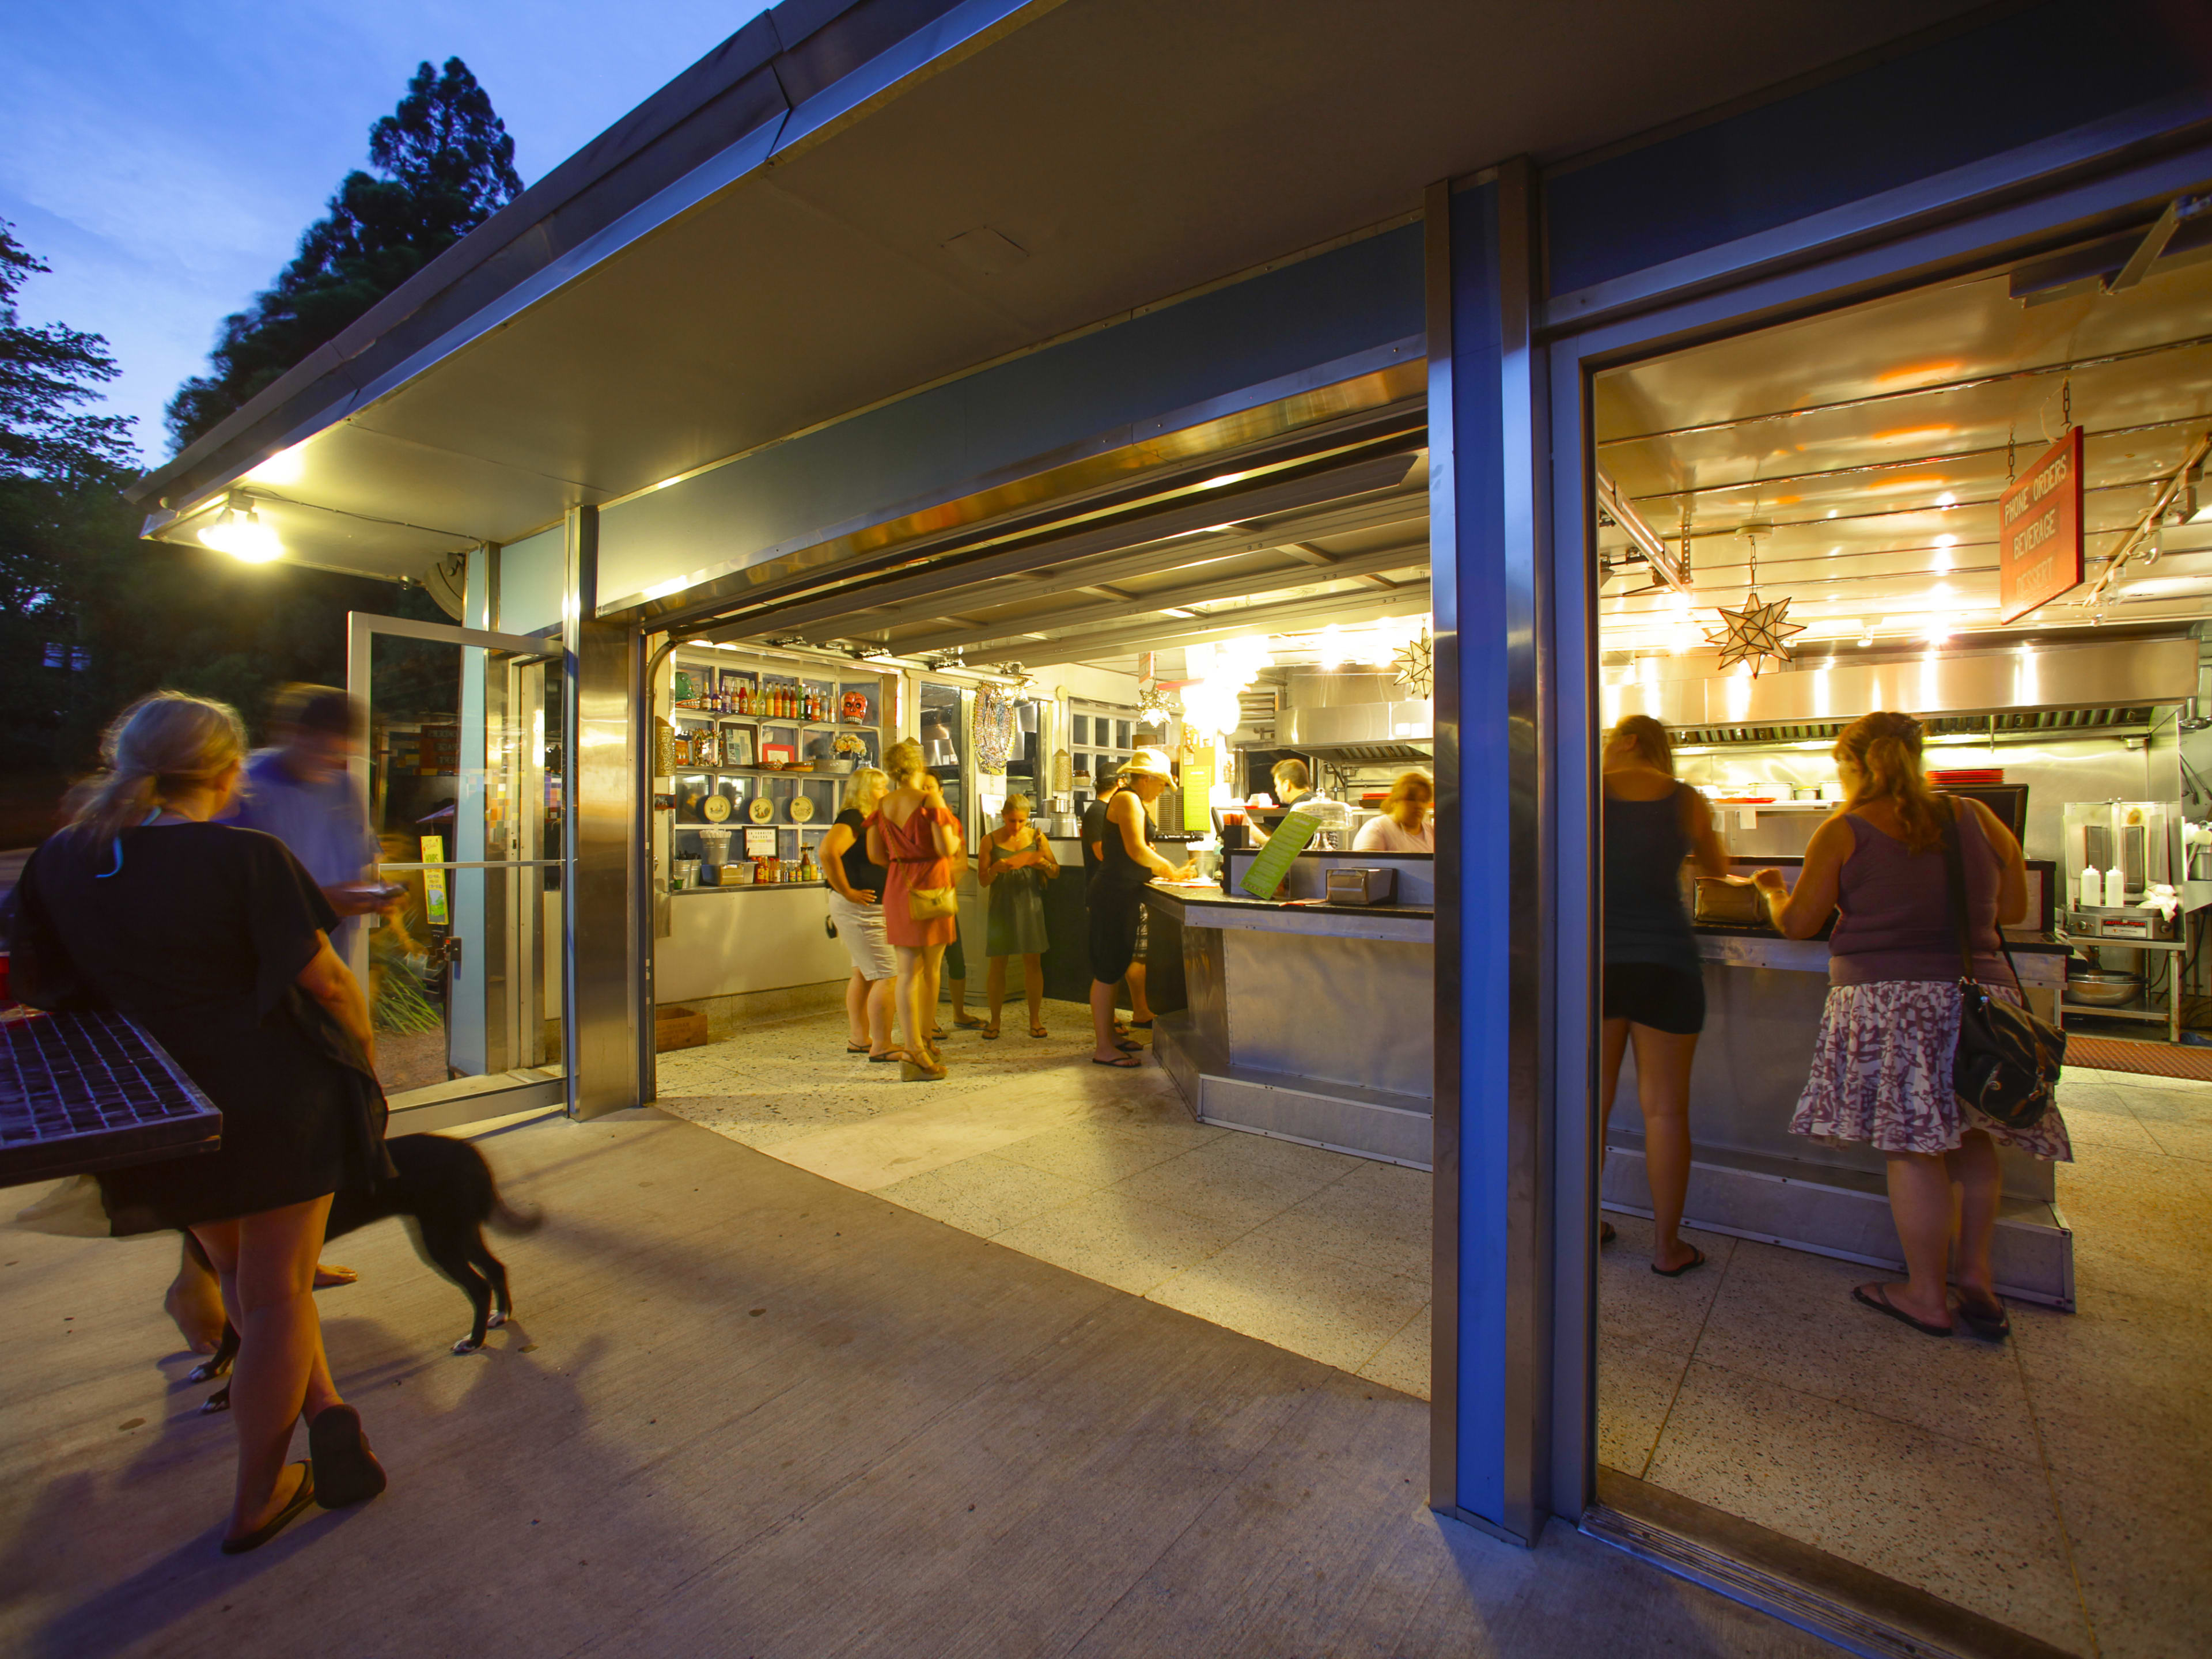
(445, 164)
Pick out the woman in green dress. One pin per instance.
(1017, 862)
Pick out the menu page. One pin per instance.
(1274, 863)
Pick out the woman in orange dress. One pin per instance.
(916, 838)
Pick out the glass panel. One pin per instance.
(940, 728)
(464, 804)
(1122, 735)
(1079, 728)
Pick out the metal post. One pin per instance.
(602, 987)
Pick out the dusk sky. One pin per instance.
(164, 158)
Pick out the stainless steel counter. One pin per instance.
(1310, 1022)
(1752, 1178)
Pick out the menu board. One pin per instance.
(2039, 549)
(1197, 793)
(1267, 870)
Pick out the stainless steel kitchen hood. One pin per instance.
(1352, 716)
(2075, 688)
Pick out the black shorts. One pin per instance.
(1117, 923)
(1652, 993)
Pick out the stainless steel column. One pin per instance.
(603, 985)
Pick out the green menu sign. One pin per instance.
(1197, 796)
(1274, 863)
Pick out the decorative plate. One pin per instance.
(802, 809)
(715, 808)
(761, 810)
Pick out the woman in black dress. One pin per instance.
(215, 941)
(1126, 863)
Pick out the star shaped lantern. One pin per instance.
(1754, 633)
(1415, 665)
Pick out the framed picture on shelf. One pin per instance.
(782, 754)
(737, 746)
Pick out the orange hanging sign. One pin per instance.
(2039, 553)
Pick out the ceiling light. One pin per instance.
(242, 535)
(1947, 499)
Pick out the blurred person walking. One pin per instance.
(215, 941)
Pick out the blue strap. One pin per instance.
(117, 870)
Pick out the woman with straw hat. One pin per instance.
(1126, 863)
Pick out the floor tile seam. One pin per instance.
(2057, 1503)
(1227, 1244)
(1674, 1396)
(1981, 1446)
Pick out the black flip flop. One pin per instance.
(1697, 1260)
(1126, 1063)
(890, 1058)
(856, 1048)
(297, 1505)
(346, 1471)
(1989, 1322)
(1130, 1047)
(1881, 1304)
(1141, 1024)
(1604, 1232)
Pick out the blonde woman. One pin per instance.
(1126, 863)
(856, 905)
(1881, 1065)
(1017, 862)
(216, 942)
(1655, 984)
(1407, 822)
(916, 838)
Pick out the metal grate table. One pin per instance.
(86, 1091)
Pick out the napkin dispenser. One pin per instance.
(1352, 885)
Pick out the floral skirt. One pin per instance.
(1882, 1073)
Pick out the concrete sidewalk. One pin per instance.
(745, 1411)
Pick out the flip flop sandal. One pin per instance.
(347, 1471)
(1039, 1031)
(1141, 1024)
(1881, 1304)
(1697, 1260)
(856, 1048)
(966, 1024)
(1126, 1063)
(1130, 1047)
(294, 1508)
(1988, 1320)
(990, 1034)
(1604, 1232)
(889, 1057)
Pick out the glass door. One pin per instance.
(463, 780)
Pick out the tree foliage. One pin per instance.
(445, 164)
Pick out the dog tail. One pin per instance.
(506, 1219)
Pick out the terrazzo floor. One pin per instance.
(1097, 1170)
(2060, 1483)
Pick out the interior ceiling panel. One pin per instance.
(1868, 448)
(1123, 151)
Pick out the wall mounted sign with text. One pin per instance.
(2039, 531)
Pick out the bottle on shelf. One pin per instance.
(2093, 888)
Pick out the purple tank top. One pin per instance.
(1895, 921)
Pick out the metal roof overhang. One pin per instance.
(845, 202)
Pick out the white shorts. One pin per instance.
(860, 931)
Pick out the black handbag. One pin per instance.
(2007, 1063)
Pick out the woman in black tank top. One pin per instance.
(1654, 987)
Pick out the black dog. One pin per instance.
(446, 1189)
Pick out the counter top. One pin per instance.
(1413, 924)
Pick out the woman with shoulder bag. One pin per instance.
(916, 838)
(1882, 1066)
(1017, 862)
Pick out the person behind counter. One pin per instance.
(916, 838)
(1882, 1063)
(1407, 821)
(856, 906)
(1015, 864)
(1127, 862)
(1655, 984)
